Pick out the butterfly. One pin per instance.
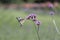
(20, 20)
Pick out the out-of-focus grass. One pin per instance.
(11, 30)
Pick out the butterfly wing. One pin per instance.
(20, 20)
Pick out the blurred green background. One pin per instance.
(10, 28)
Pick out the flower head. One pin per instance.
(31, 16)
(37, 22)
(52, 13)
(50, 5)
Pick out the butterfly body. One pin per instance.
(20, 20)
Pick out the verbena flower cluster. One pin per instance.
(32, 17)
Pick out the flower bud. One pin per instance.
(37, 22)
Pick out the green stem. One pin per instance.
(37, 31)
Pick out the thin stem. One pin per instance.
(37, 33)
(38, 29)
(56, 26)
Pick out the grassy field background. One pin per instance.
(11, 30)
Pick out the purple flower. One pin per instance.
(50, 5)
(51, 13)
(37, 22)
(31, 16)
